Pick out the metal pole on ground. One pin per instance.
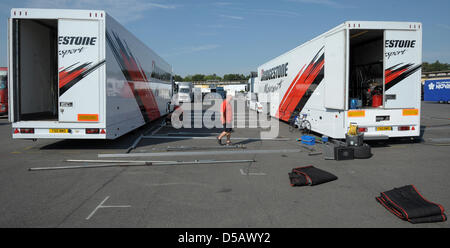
(142, 163)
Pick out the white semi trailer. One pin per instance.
(360, 72)
(79, 74)
(185, 91)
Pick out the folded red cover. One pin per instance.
(309, 175)
(408, 204)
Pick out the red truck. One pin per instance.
(3, 90)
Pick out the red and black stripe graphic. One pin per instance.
(71, 75)
(302, 87)
(396, 73)
(136, 77)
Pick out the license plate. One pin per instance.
(57, 130)
(384, 128)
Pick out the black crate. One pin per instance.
(344, 153)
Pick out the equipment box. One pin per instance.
(308, 140)
(343, 153)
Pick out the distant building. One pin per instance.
(435, 75)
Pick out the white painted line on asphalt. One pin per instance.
(95, 210)
(170, 184)
(252, 173)
(105, 206)
(117, 206)
(439, 139)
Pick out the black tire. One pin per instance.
(362, 152)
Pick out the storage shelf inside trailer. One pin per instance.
(366, 69)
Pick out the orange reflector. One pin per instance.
(356, 113)
(410, 112)
(87, 117)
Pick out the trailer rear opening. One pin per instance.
(366, 69)
(36, 69)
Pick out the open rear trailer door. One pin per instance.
(402, 68)
(33, 69)
(80, 70)
(335, 70)
(11, 113)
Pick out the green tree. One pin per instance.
(198, 77)
(178, 78)
(234, 77)
(436, 66)
(188, 78)
(212, 77)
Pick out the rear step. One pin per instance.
(376, 137)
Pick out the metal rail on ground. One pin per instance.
(141, 163)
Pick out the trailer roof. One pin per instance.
(31, 13)
(380, 25)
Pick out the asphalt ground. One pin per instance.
(252, 194)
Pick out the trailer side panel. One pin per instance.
(139, 82)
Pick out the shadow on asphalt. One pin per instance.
(127, 140)
(123, 142)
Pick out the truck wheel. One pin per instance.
(362, 152)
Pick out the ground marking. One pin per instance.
(105, 206)
(252, 173)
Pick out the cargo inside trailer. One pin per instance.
(35, 69)
(366, 69)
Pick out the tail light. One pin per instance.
(362, 129)
(403, 128)
(27, 130)
(92, 131)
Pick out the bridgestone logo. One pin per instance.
(77, 40)
(400, 43)
(275, 72)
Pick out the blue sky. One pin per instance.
(232, 36)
